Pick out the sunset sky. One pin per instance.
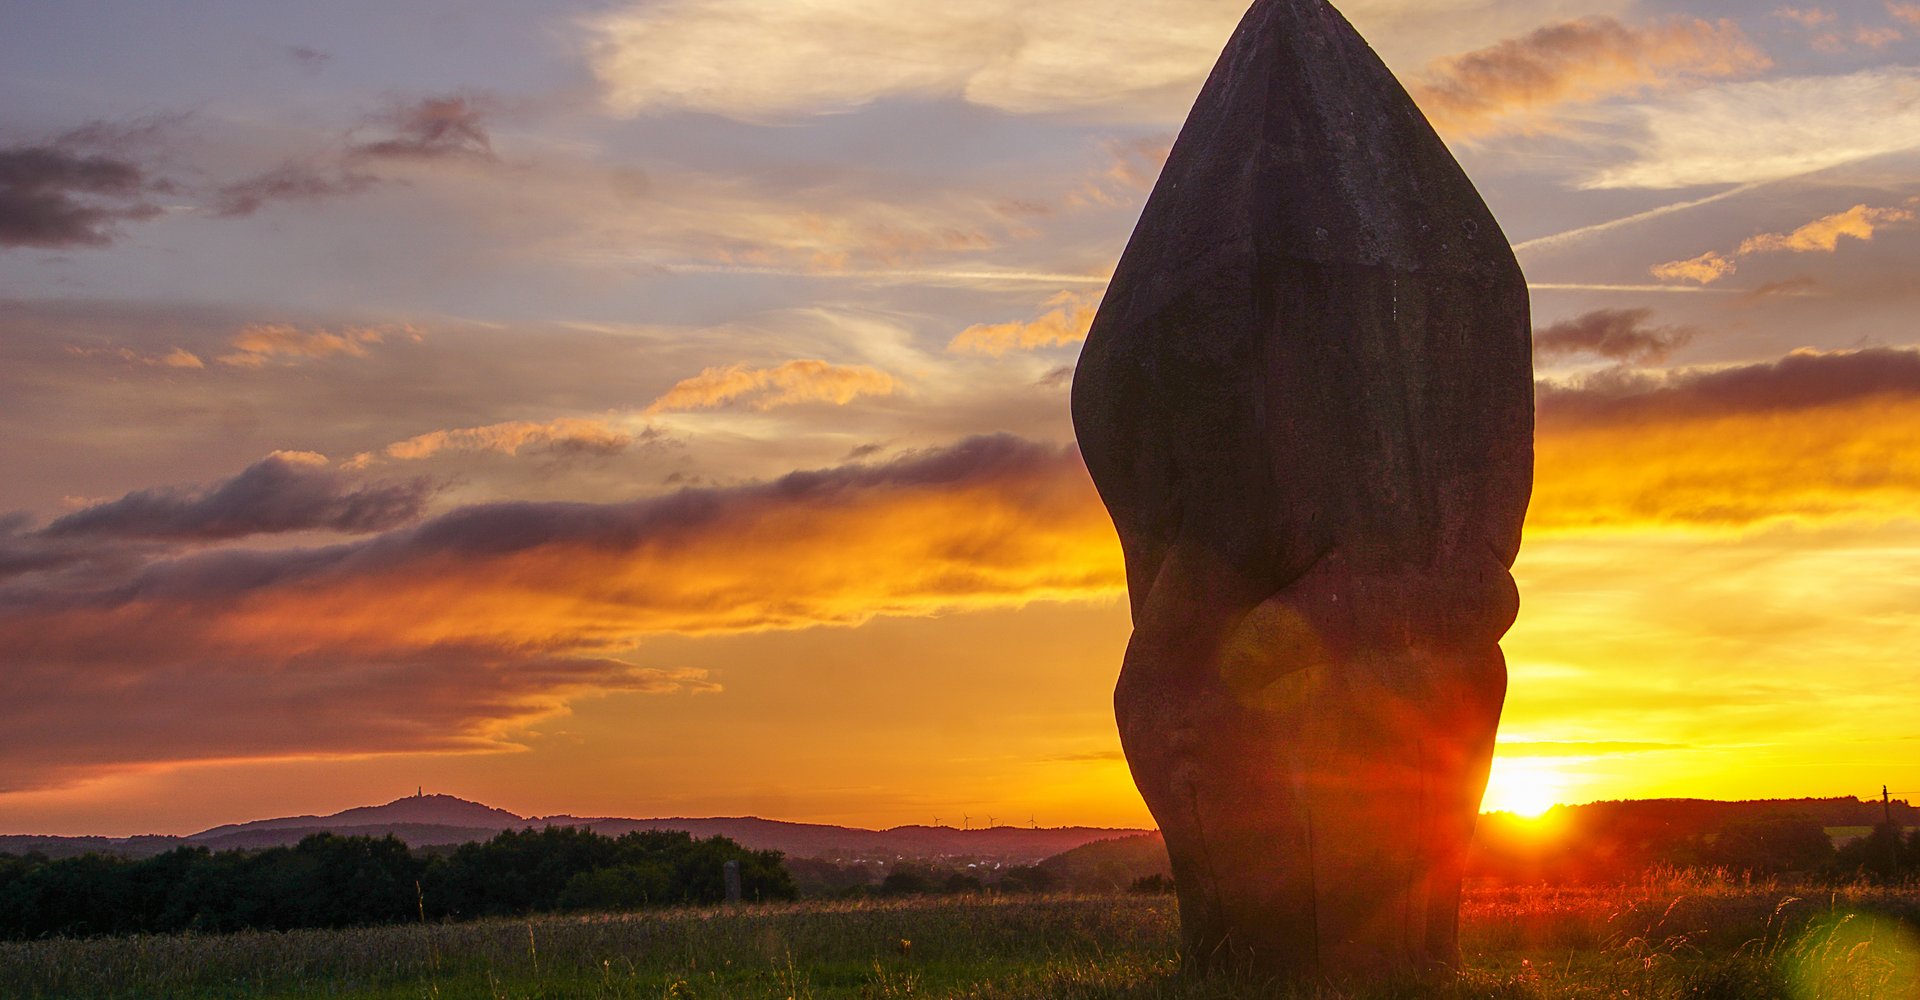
(659, 407)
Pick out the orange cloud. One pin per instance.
(447, 635)
(1819, 236)
(567, 435)
(1066, 323)
(175, 358)
(263, 343)
(1908, 12)
(1853, 459)
(1509, 86)
(804, 381)
(1706, 269)
(1812, 437)
(1823, 235)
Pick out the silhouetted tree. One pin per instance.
(1151, 885)
(1027, 878)
(621, 887)
(333, 881)
(906, 882)
(961, 882)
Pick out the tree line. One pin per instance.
(819, 878)
(328, 880)
(1599, 845)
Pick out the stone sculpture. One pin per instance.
(1307, 402)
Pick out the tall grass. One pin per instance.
(1671, 935)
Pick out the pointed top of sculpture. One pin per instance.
(1304, 142)
(1318, 335)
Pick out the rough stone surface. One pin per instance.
(1307, 402)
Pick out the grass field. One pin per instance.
(1671, 936)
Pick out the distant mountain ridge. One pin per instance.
(443, 820)
(440, 820)
(429, 810)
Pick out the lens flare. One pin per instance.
(1855, 954)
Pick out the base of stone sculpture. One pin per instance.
(1317, 788)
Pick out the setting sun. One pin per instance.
(1524, 786)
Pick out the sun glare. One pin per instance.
(1524, 786)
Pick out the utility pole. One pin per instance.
(1893, 834)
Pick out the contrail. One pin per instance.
(1049, 278)
(1595, 287)
(876, 274)
(1556, 239)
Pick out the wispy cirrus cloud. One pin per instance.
(1572, 748)
(436, 127)
(1764, 130)
(820, 228)
(1515, 84)
(447, 128)
(788, 384)
(762, 59)
(1877, 37)
(292, 181)
(759, 60)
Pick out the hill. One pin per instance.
(1110, 865)
(438, 820)
(1604, 836)
(414, 810)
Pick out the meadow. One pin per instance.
(1668, 935)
